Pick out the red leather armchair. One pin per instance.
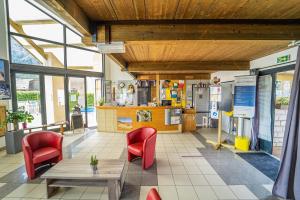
(153, 195)
(39, 148)
(141, 143)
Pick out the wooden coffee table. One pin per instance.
(77, 173)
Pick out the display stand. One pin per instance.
(219, 143)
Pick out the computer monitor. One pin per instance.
(166, 102)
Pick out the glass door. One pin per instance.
(29, 96)
(55, 99)
(283, 84)
(93, 97)
(77, 96)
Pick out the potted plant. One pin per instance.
(94, 164)
(13, 138)
(282, 103)
(27, 118)
(101, 102)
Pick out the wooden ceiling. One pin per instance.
(110, 10)
(200, 50)
(183, 34)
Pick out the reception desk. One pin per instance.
(124, 119)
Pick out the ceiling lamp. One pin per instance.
(113, 47)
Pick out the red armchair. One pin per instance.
(40, 148)
(153, 195)
(141, 143)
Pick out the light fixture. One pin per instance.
(113, 47)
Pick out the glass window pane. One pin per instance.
(55, 99)
(77, 95)
(36, 52)
(28, 96)
(84, 60)
(28, 20)
(93, 97)
(77, 40)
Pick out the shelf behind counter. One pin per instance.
(125, 119)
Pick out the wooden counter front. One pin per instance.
(124, 119)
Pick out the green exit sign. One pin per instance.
(283, 59)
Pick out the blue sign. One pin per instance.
(244, 96)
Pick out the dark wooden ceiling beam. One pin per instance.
(238, 30)
(198, 21)
(187, 67)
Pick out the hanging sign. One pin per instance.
(244, 96)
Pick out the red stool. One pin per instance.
(153, 195)
(141, 143)
(40, 148)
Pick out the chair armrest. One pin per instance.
(27, 149)
(149, 142)
(131, 136)
(57, 140)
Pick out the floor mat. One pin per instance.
(263, 162)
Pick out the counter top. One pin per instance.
(137, 107)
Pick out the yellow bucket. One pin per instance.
(242, 143)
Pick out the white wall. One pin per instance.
(113, 71)
(4, 54)
(271, 60)
(3, 32)
(228, 75)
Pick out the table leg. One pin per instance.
(50, 190)
(114, 191)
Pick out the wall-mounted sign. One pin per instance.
(283, 59)
(244, 96)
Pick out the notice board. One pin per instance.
(244, 96)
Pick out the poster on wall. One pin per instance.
(244, 96)
(124, 123)
(144, 116)
(5, 91)
(215, 93)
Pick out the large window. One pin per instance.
(28, 96)
(55, 99)
(43, 49)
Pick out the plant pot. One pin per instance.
(24, 125)
(94, 169)
(13, 141)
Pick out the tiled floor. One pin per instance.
(186, 168)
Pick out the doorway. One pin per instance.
(200, 103)
(28, 95)
(77, 88)
(283, 86)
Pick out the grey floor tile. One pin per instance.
(133, 179)
(130, 192)
(148, 180)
